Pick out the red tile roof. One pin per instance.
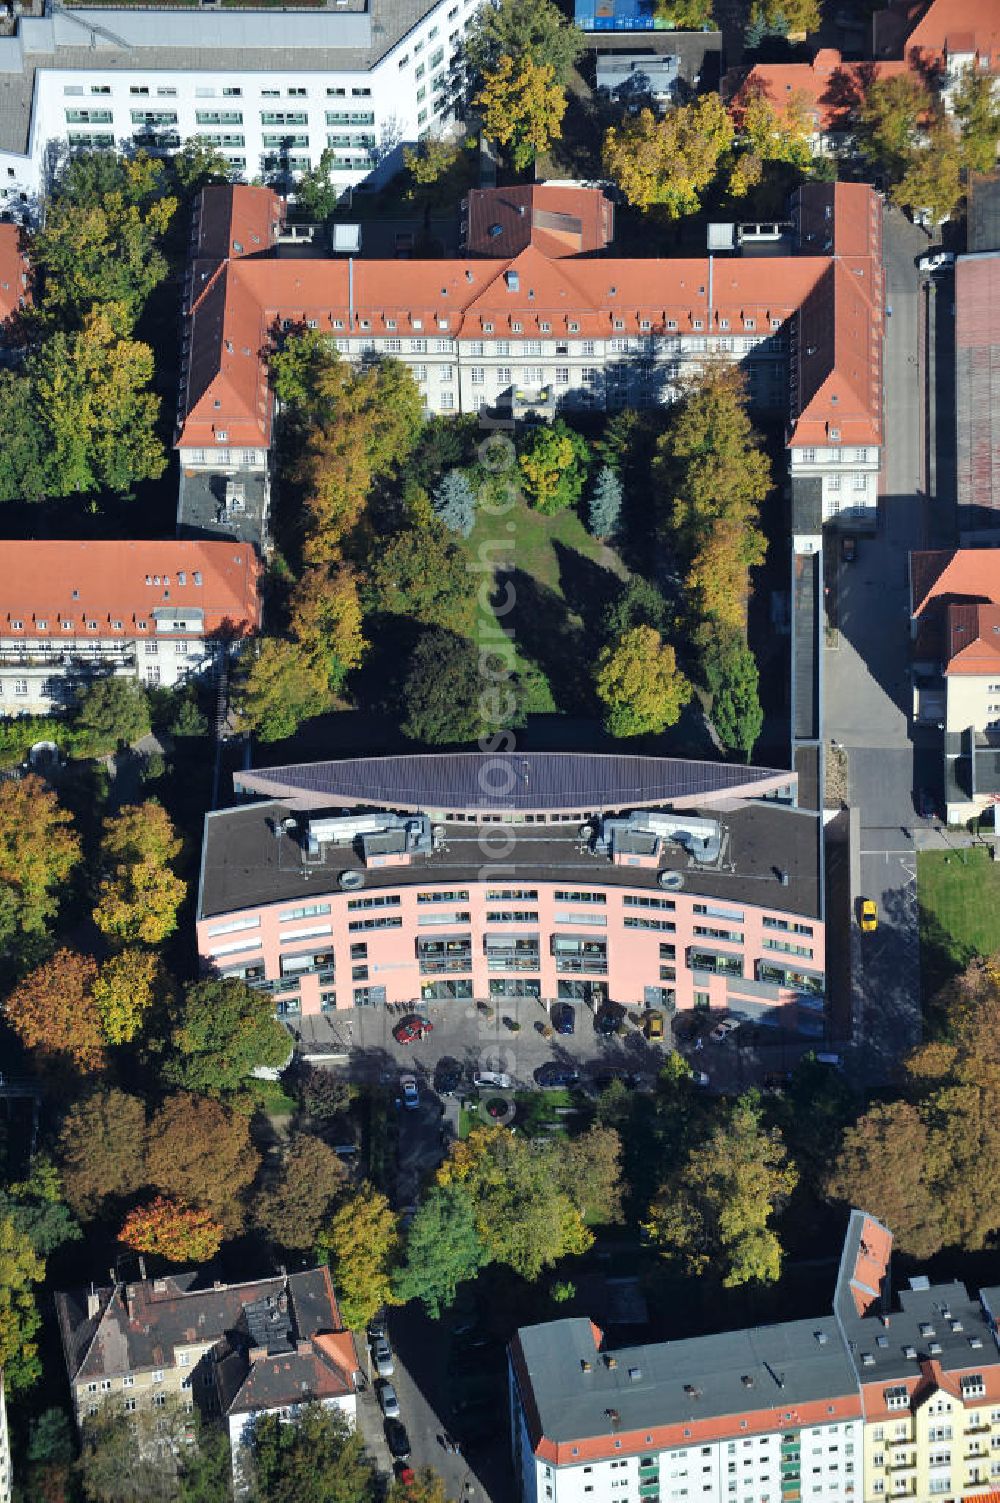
(830, 89)
(973, 639)
(839, 375)
(922, 33)
(53, 582)
(560, 221)
(13, 271)
(955, 574)
(977, 369)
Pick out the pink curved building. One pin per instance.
(558, 876)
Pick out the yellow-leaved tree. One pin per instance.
(361, 1242)
(638, 682)
(522, 107)
(666, 162)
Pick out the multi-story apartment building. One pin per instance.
(376, 881)
(827, 89)
(533, 333)
(271, 90)
(939, 39)
(955, 625)
(231, 1351)
(884, 1399)
(158, 612)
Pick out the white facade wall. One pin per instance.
(239, 1424)
(6, 1475)
(850, 479)
(39, 676)
(743, 1469)
(256, 119)
(972, 700)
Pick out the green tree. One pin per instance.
(931, 187)
(218, 1032)
(734, 683)
(199, 1153)
(127, 987)
(605, 504)
(715, 1209)
(322, 1094)
(38, 850)
(36, 1207)
(206, 1474)
(315, 195)
(326, 617)
(197, 165)
(782, 17)
(108, 250)
(685, 15)
(294, 1206)
(128, 1456)
(640, 685)
(888, 119)
(278, 687)
(423, 574)
(977, 110)
(522, 28)
(87, 179)
(522, 107)
(639, 604)
(523, 1217)
(20, 1268)
(24, 472)
(590, 1166)
(439, 700)
(454, 502)
(101, 1151)
(433, 158)
(138, 903)
(668, 161)
(442, 1250)
(767, 135)
(317, 1457)
(112, 712)
(553, 464)
(882, 1165)
(361, 1242)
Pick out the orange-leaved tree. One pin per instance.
(173, 1230)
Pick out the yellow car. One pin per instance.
(653, 1025)
(869, 915)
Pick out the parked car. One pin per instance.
(553, 1075)
(397, 1439)
(652, 1024)
(410, 1092)
(447, 1076)
(607, 1021)
(388, 1400)
(869, 915)
(564, 1018)
(936, 261)
(411, 1029)
(495, 1078)
(376, 1326)
(925, 803)
(722, 1030)
(382, 1357)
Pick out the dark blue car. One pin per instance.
(552, 1075)
(564, 1018)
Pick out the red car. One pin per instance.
(411, 1029)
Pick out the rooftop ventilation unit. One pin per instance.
(910, 1353)
(867, 1359)
(351, 880)
(671, 881)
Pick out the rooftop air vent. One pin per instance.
(747, 1380)
(926, 1329)
(670, 880)
(976, 1343)
(585, 1366)
(934, 1349)
(691, 1391)
(611, 1361)
(910, 1353)
(867, 1359)
(350, 880)
(496, 230)
(822, 1338)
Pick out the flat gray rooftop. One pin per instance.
(202, 510)
(244, 863)
(677, 1382)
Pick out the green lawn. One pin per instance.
(552, 596)
(959, 897)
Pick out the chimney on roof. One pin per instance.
(142, 1268)
(303, 1347)
(93, 1302)
(257, 1353)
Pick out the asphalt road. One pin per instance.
(867, 695)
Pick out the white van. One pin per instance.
(493, 1078)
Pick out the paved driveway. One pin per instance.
(867, 686)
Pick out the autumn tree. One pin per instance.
(442, 1250)
(128, 985)
(294, 1206)
(590, 1167)
(314, 1456)
(712, 476)
(882, 1166)
(20, 1268)
(553, 466)
(888, 120)
(199, 1152)
(172, 1231)
(101, 1151)
(218, 1032)
(667, 161)
(782, 18)
(764, 135)
(639, 684)
(326, 616)
(931, 186)
(522, 107)
(685, 15)
(524, 1218)
(105, 251)
(432, 159)
(976, 108)
(126, 1456)
(277, 687)
(423, 574)
(112, 711)
(53, 1012)
(361, 1242)
(519, 29)
(715, 1208)
(426, 1486)
(139, 895)
(197, 165)
(38, 851)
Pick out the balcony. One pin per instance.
(540, 400)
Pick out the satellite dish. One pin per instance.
(671, 880)
(350, 880)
